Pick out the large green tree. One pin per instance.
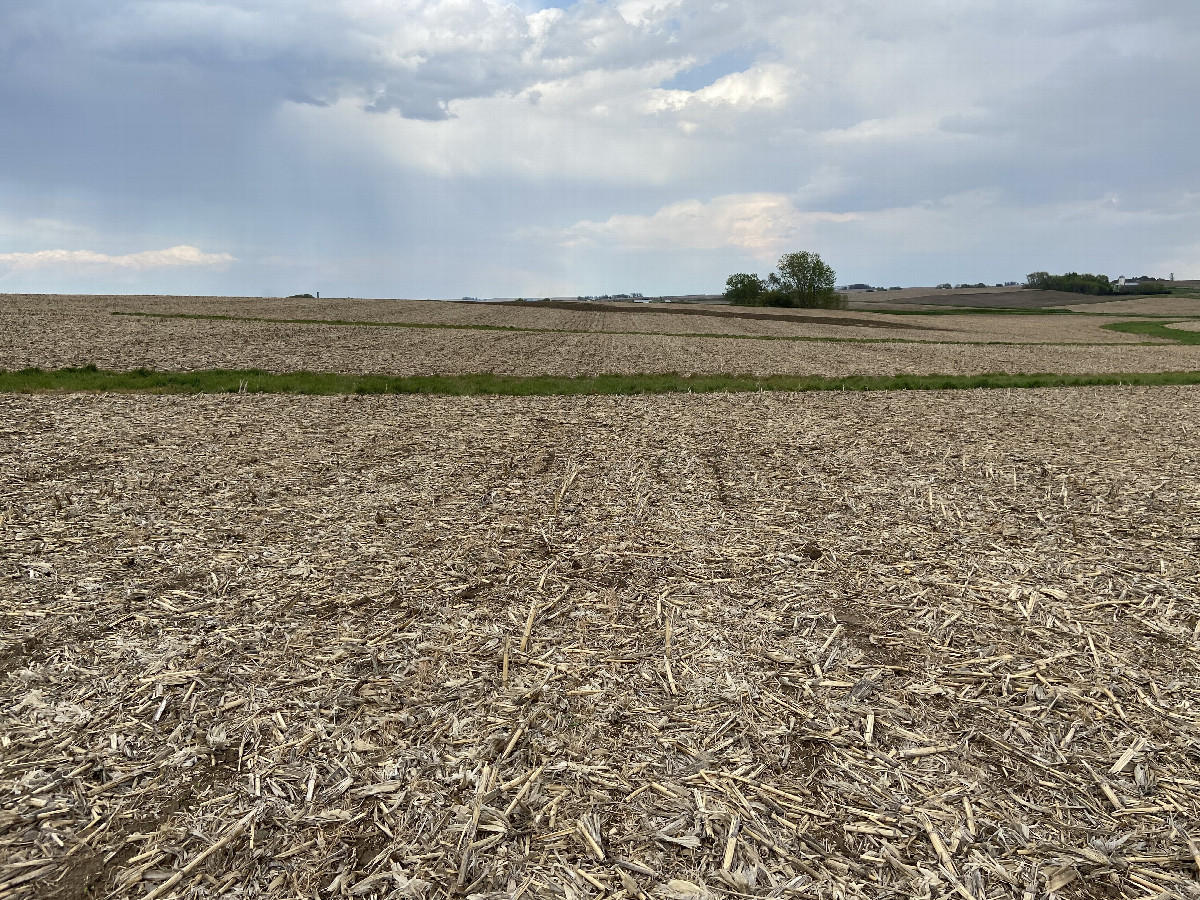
(807, 278)
(744, 290)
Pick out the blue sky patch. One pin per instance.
(703, 75)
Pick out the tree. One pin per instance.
(803, 280)
(744, 290)
(807, 279)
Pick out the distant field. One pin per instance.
(57, 332)
(1019, 298)
(1009, 297)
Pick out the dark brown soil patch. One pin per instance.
(1008, 299)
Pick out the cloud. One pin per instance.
(397, 146)
(765, 85)
(762, 225)
(182, 255)
(41, 230)
(413, 57)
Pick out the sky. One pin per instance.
(446, 148)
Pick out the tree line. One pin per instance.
(1094, 285)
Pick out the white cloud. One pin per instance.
(765, 85)
(182, 255)
(761, 85)
(639, 12)
(886, 131)
(980, 234)
(762, 225)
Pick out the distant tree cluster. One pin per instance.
(1095, 285)
(634, 296)
(803, 281)
(1147, 286)
(1072, 283)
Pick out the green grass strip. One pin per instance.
(1153, 329)
(670, 334)
(256, 381)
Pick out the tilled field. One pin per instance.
(864, 645)
(80, 323)
(121, 342)
(1150, 306)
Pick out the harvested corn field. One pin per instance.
(58, 337)
(864, 645)
(50, 312)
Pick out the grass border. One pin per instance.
(1153, 329)
(256, 381)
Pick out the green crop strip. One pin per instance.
(1153, 329)
(256, 381)
(670, 334)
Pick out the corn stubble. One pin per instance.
(884, 645)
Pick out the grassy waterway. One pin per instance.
(256, 381)
(1153, 329)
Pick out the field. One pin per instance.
(793, 645)
(528, 340)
